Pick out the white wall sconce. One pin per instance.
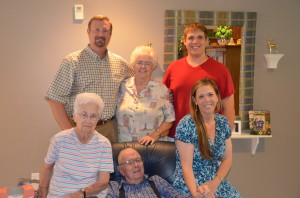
(273, 57)
(272, 60)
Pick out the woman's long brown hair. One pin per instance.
(197, 116)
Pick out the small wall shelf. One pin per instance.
(254, 138)
(272, 60)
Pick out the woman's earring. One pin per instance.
(196, 107)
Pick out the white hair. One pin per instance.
(88, 98)
(143, 50)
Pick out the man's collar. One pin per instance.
(94, 55)
(123, 181)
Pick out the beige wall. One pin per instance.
(35, 35)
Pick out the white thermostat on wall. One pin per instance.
(78, 12)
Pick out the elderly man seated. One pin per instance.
(136, 184)
(79, 159)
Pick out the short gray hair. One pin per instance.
(88, 98)
(143, 50)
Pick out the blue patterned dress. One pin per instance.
(204, 170)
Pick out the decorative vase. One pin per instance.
(222, 41)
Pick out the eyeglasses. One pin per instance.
(146, 64)
(93, 117)
(131, 162)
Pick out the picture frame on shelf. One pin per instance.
(237, 128)
(259, 122)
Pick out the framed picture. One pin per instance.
(259, 122)
(237, 127)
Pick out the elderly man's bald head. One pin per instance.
(124, 154)
(131, 166)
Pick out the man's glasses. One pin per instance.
(131, 162)
(93, 117)
(146, 64)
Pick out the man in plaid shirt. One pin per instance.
(94, 69)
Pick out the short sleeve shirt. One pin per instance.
(140, 114)
(84, 71)
(77, 165)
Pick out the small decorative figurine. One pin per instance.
(231, 42)
(273, 48)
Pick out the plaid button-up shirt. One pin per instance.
(144, 190)
(84, 71)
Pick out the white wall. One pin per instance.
(35, 35)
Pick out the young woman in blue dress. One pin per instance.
(204, 148)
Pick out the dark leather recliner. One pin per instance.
(159, 159)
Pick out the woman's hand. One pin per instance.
(150, 138)
(204, 191)
(76, 194)
(212, 185)
(147, 139)
(43, 191)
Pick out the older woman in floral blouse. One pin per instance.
(145, 112)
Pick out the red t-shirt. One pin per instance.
(180, 78)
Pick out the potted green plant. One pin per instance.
(223, 34)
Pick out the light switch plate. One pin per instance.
(78, 12)
(35, 176)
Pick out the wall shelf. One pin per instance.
(272, 60)
(254, 139)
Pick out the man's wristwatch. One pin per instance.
(83, 192)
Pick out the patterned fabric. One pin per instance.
(84, 71)
(144, 189)
(204, 170)
(139, 115)
(77, 165)
(180, 78)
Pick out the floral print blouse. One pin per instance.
(138, 115)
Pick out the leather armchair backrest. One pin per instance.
(159, 158)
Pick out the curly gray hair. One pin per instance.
(88, 98)
(143, 50)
